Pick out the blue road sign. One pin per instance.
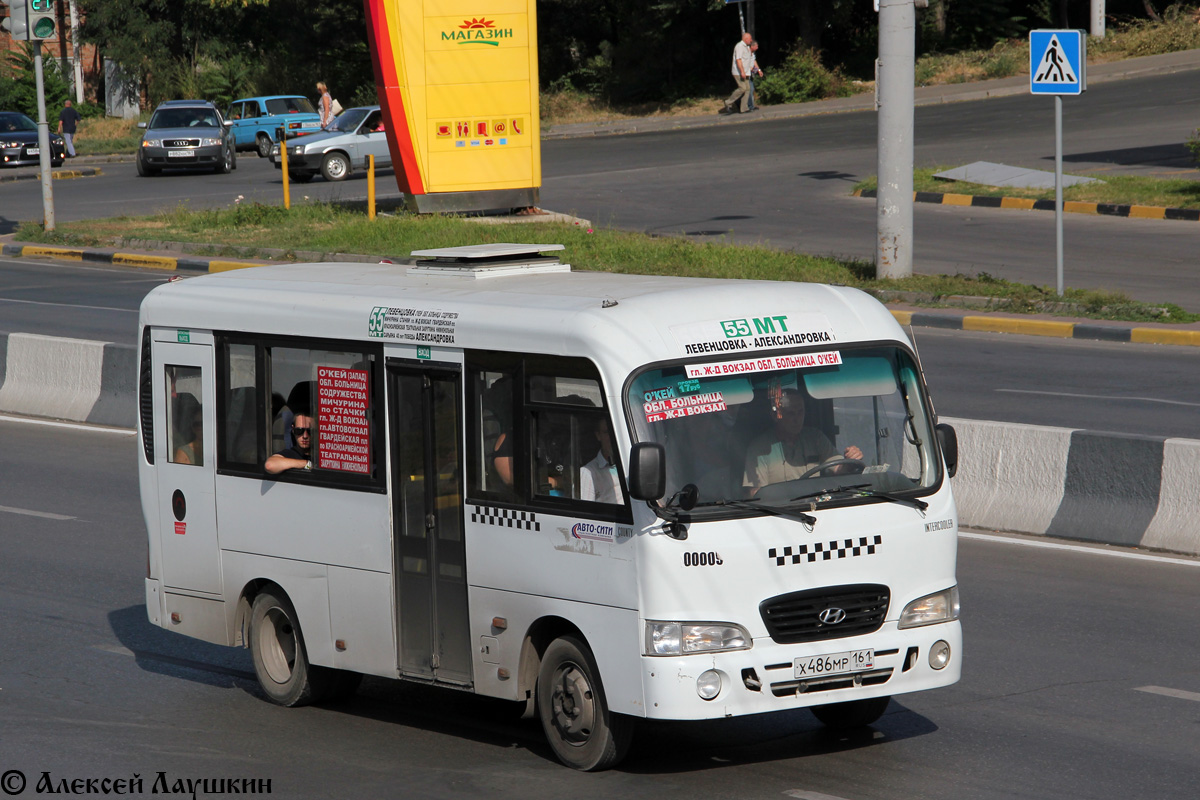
(1057, 62)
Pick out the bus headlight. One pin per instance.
(683, 638)
(931, 609)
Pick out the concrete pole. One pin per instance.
(894, 200)
(43, 141)
(1096, 19)
(76, 52)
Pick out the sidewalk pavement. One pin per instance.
(923, 96)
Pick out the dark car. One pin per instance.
(19, 142)
(186, 134)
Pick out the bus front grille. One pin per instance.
(797, 617)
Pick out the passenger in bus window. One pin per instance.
(192, 433)
(789, 450)
(298, 456)
(598, 478)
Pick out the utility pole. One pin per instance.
(894, 90)
(1096, 19)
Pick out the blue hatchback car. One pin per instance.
(256, 118)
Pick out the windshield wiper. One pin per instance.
(865, 490)
(754, 505)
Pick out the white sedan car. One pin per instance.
(339, 149)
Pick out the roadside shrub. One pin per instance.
(1193, 144)
(799, 78)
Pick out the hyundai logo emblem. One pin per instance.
(832, 616)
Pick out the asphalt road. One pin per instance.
(1127, 388)
(786, 184)
(1079, 682)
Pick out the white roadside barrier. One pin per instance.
(1075, 484)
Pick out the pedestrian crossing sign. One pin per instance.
(1057, 62)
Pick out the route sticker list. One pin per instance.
(422, 325)
(829, 358)
(343, 435)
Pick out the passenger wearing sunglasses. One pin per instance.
(298, 456)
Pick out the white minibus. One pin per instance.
(605, 497)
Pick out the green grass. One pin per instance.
(332, 228)
(1115, 189)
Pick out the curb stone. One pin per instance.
(1029, 204)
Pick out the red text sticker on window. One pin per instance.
(343, 435)
(677, 407)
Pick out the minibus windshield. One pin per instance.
(830, 426)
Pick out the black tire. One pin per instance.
(280, 659)
(58, 163)
(851, 714)
(335, 166)
(581, 730)
(228, 162)
(300, 177)
(262, 145)
(144, 170)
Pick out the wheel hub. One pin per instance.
(573, 705)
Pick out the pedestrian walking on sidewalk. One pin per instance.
(741, 76)
(67, 120)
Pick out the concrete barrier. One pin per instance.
(69, 379)
(1075, 484)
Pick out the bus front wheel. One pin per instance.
(581, 730)
(851, 714)
(280, 660)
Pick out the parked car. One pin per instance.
(186, 134)
(340, 149)
(19, 142)
(256, 118)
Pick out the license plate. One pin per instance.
(834, 664)
(179, 154)
(33, 151)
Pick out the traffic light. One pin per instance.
(41, 22)
(15, 23)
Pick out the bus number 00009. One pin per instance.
(702, 560)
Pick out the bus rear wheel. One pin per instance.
(280, 660)
(581, 730)
(851, 714)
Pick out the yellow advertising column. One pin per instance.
(458, 83)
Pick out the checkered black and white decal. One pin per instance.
(506, 518)
(826, 551)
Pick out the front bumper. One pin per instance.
(184, 157)
(22, 157)
(297, 158)
(762, 678)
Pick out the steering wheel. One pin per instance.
(837, 462)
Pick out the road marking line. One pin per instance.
(1179, 693)
(1079, 548)
(68, 305)
(75, 425)
(802, 794)
(28, 513)
(1101, 397)
(115, 648)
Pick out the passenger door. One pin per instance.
(425, 408)
(185, 454)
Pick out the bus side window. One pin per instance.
(493, 409)
(241, 424)
(185, 423)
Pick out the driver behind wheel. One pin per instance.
(788, 450)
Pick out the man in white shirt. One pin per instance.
(598, 479)
(741, 75)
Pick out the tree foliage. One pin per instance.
(617, 50)
(18, 84)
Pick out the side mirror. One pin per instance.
(647, 471)
(948, 441)
(141, 124)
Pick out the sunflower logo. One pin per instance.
(477, 23)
